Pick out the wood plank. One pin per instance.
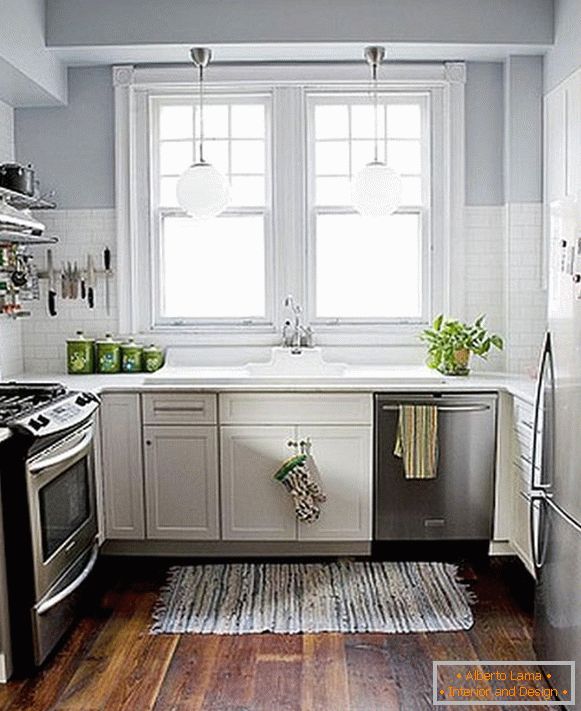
(185, 684)
(117, 651)
(372, 682)
(324, 681)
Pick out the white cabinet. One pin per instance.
(122, 466)
(522, 439)
(254, 505)
(181, 482)
(343, 457)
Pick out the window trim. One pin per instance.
(157, 214)
(132, 85)
(431, 296)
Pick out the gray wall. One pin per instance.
(523, 106)
(565, 57)
(484, 133)
(72, 147)
(127, 22)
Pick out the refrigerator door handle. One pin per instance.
(534, 529)
(536, 484)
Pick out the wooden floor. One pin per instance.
(110, 662)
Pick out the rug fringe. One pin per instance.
(160, 608)
(469, 595)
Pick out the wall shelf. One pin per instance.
(25, 202)
(24, 238)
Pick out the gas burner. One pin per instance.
(42, 408)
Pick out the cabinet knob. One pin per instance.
(148, 442)
(577, 278)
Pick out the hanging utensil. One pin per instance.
(75, 281)
(19, 276)
(107, 263)
(51, 284)
(90, 282)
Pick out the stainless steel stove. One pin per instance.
(42, 409)
(47, 490)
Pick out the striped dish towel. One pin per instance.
(416, 440)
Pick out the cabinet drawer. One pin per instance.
(295, 408)
(523, 416)
(179, 409)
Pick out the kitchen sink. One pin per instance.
(285, 363)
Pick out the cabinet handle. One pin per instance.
(172, 408)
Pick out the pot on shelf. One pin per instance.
(19, 178)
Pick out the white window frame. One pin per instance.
(431, 286)
(291, 262)
(157, 214)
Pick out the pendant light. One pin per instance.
(202, 191)
(376, 189)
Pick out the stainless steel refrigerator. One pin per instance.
(555, 513)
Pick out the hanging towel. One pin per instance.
(416, 440)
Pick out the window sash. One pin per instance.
(427, 297)
(159, 212)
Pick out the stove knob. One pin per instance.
(43, 420)
(35, 424)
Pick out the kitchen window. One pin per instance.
(368, 271)
(290, 146)
(213, 271)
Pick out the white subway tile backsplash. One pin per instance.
(502, 277)
(80, 232)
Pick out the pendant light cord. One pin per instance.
(201, 73)
(376, 122)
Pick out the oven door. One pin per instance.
(61, 491)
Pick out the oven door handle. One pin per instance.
(40, 464)
(43, 607)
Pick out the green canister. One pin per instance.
(152, 358)
(108, 355)
(80, 355)
(131, 356)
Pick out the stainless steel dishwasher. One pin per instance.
(458, 503)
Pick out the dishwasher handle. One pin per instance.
(441, 408)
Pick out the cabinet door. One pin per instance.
(181, 482)
(520, 530)
(343, 457)
(556, 145)
(122, 466)
(574, 136)
(254, 505)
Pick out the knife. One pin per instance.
(75, 283)
(90, 282)
(107, 263)
(51, 283)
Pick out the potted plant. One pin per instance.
(450, 343)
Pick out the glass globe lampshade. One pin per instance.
(202, 191)
(376, 190)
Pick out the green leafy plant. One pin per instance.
(450, 343)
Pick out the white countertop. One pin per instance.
(361, 379)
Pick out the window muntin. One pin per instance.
(368, 270)
(215, 270)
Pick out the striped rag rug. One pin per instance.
(295, 598)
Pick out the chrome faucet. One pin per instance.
(295, 335)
